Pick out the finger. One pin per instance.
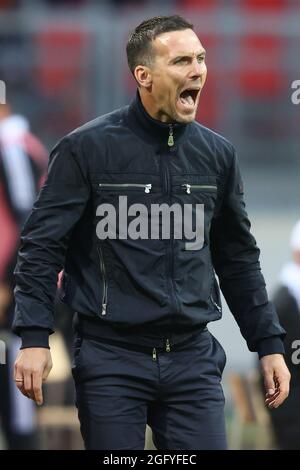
(18, 376)
(281, 398)
(16, 372)
(269, 382)
(275, 403)
(37, 387)
(275, 391)
(284, 387)
(27, 376)
(271, 398)
(283, 394)
(20, 385)
(270, 402)
(19, 379)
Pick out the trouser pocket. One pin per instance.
(221, 357)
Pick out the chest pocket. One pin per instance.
(196, 189)
(121, 187)
(137, 187)
(191, 188)
(197, 196)
(126, 194)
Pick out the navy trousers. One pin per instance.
(178, 393)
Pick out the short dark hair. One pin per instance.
(139, 48)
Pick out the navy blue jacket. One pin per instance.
(139, 283)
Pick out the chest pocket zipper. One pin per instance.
(104, 279)
(146, 187)
(195, 187)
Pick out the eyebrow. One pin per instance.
(186, 55)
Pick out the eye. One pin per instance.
(182, 60)
(200, 58)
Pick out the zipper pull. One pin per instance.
(187, 187)
(103, 309)
(168, 348)
(154, 354)
(171, 138)
(148, 187)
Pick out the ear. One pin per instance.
(143, 76)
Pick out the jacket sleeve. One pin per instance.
(235, 258)
(44, 239)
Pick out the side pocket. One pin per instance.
(104, 281)
(221, 354)
(215, 296)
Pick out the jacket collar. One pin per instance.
(150, 129)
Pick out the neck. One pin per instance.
(151, 107)
(150, 128)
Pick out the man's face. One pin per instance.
(178, 75)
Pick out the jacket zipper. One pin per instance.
(190, 187)
(171, 252)
(103, 272)
(147, 187)
(170, 242)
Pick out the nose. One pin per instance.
(196, 69)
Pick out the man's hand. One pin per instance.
(276, 379)
(32, 367)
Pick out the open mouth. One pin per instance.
(188, 97)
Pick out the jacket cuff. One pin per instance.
(34, 338)
(271, 345)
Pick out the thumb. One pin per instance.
(269, 383)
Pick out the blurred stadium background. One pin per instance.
(64, 63)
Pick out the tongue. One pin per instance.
(187, 98)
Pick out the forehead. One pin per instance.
(177, 43)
